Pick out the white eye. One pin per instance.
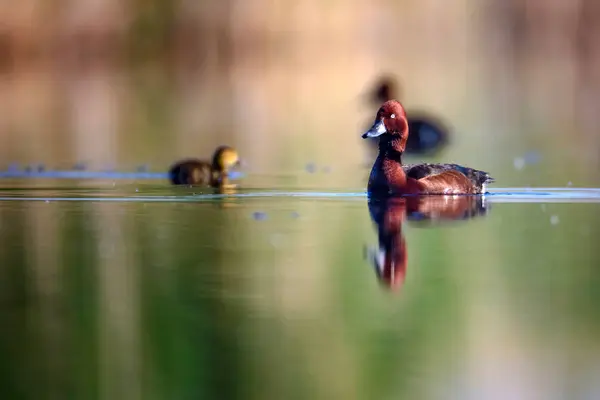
(393, 116)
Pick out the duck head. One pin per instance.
(386, 89)
(225, 158)
(390, 126)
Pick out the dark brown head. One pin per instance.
(386, 89)
(225, 158)
(390, 125)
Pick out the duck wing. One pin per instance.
(420, 171)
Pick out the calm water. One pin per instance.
(142, 291)
(114, 287)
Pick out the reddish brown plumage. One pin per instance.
(450, 182)
(389, 176)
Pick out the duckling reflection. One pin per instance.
(390, 258)
(202, 173)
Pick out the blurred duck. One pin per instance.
(427, 134)
(202, 173)
(389, 176)
(390, 258)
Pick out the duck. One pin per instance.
(202, 173)
(390, 257)
(429, 134)
(390, 176)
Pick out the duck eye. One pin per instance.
(393, 116)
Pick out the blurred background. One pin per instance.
(119, 83)
(132, 301)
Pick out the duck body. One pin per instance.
(478, 179)
(202, 173)
(389, 176)
(192, 172)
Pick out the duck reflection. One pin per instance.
(390, 258)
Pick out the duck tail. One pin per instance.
(484, 178)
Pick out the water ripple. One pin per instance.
(94, 175)
(500, 195)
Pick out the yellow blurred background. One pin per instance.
(119, 83)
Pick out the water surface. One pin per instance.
(167, 293)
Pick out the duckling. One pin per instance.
(199, 172)
(428, 134)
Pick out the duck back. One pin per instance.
(191, 172)
(419, 171)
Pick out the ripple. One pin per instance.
(500, 195)
(94, 175)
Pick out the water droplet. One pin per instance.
(295, 214)
(47, 201)
(259, 216)
(554, 220)
(543, 207)
(277, 240)
(519, 163)
(310, 168)
(569, 183)
(532, 157)
(137, 190)
(326, 170)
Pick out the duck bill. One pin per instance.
(376, 130)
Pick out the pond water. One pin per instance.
(115, 285)
(139, 290)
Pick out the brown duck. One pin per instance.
(390, 176)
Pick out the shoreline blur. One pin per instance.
(117, 84)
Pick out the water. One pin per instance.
(147, 291)
(115, 285)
